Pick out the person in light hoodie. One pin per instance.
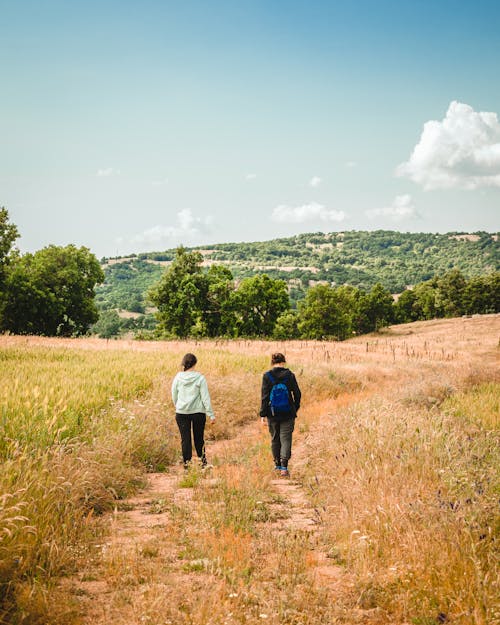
(192, 405)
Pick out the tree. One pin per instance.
(482, 294)
(8, 234)
(321, 314)
(450, 293)
(286, 326)
(259, 301)
(375, 310)
(51, 292)
(181, 295)
(220, 314)
(404, 308)
(108, 325)
(425, 299)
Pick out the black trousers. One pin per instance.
(196, 422)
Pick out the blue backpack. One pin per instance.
(279, 399)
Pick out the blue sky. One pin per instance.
(137, 126)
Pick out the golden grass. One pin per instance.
(409, 495)
(399, 455)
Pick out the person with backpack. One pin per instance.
(280, 402)
(192, 405)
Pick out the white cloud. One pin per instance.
(461, 151)
(186, 230)
(351, 164)
(307, 212)
(402, 207)
(251, 176)
(315, 181)
(108, 171)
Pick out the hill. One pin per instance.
(358, 258)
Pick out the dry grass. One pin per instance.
(397, 448)
(409, 493)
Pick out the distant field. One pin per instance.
(397, 446)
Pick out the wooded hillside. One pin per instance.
(358, 258)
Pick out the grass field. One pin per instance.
(397, 451)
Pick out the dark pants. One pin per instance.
(281, 440)
(197, 422)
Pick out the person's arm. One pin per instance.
(265, 393)
(205, 398)
(294, 387)
(175, 391)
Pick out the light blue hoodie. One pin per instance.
(190, 394)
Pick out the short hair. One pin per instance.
(277, 358)
(188, 361)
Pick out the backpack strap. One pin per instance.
(270, 376)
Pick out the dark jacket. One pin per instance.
(280, 374)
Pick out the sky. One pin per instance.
(130, 127)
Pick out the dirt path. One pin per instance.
(146, 557)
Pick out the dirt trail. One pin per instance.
(143, 525)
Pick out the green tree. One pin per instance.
(219, 313)
(404, 308)
(287, 326)
(8, 234)
(322, 314)
(482, 294)
(375, 310)
(51, 292)
(450, 294)
(425, 299)
(108, 325)
(259, 301)
(181, 295)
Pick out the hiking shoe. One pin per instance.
(284, 472)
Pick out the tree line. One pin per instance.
(52, 292)
(195, 302)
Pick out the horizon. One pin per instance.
(129, 129)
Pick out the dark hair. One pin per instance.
(188, 361)
(277, 358)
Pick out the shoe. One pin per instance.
(284, 472)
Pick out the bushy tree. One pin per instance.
(51, 292)
(482, 294)
(220, 313)
(8, 234)
(181, 294)
(322, 314)
(425, 299)
(287, 326)
(108, 325)
(404, 308)
(259, 301)
(450, 294)
(375, 310)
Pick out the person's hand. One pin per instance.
(212, 421)
(263, 420)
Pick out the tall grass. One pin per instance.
(400, 459)
(410, 502)
(78, 429)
